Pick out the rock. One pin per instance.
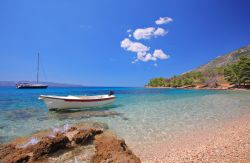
(6, 149)
(79, 143)
(85, 136)
(49, 145)
(15, 155)
(19, 158)
(111, 149)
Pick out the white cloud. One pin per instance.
(142, 51)
(143, 33)
(149, 57)
(160, 32)
(147, 33)
(158, 53)
(145, 57)
(163, 20)
(134, 46)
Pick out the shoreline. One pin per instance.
(197, 88)
(227, 143)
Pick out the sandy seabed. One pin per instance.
(227, 143)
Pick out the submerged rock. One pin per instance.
(84, 114)
(25, 114)
(81, 142)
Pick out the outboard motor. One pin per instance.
(111, 93)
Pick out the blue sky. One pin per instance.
(80, 41)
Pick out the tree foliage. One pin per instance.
(239, 72)
(157, 82)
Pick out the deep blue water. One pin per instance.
(138, 114)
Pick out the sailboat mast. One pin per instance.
(37, 75)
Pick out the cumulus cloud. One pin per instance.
(163, 20)
(160, 32)
(145, 57)
(158, 53)
(143, 33)
(137, 47)
(141, 51)
(147, 33)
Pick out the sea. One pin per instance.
(138, 115)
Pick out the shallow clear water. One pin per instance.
(138, 115)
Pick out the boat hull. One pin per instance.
(57, 103)
(32, 87)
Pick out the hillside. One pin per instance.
(226, 59)
(210, 75)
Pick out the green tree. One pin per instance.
(244, 66)
(157, 82)
(239, 72)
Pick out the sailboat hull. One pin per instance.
(31, 86)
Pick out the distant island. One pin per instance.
(50, 84)
(228, 71)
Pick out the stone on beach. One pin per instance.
(49, 145)
(74, 144)
(85, 136)
(111, 149)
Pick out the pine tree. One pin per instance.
(239, 72)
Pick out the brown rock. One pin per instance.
(16, 155)
(19, 158)
(111, 149)
(74, 144)
(6, 149)
(85, 136)
(72, 129)
(49, 145)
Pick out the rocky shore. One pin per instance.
(83, 142)
(94, 142)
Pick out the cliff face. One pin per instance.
(226, 59)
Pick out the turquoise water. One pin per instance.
(138, 115)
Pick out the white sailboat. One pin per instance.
(37, 85)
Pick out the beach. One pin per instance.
(158, 125)
(227, 143)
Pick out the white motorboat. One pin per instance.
(76, 102)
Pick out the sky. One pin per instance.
(116, 43)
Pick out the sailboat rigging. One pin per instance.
(37, 85)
